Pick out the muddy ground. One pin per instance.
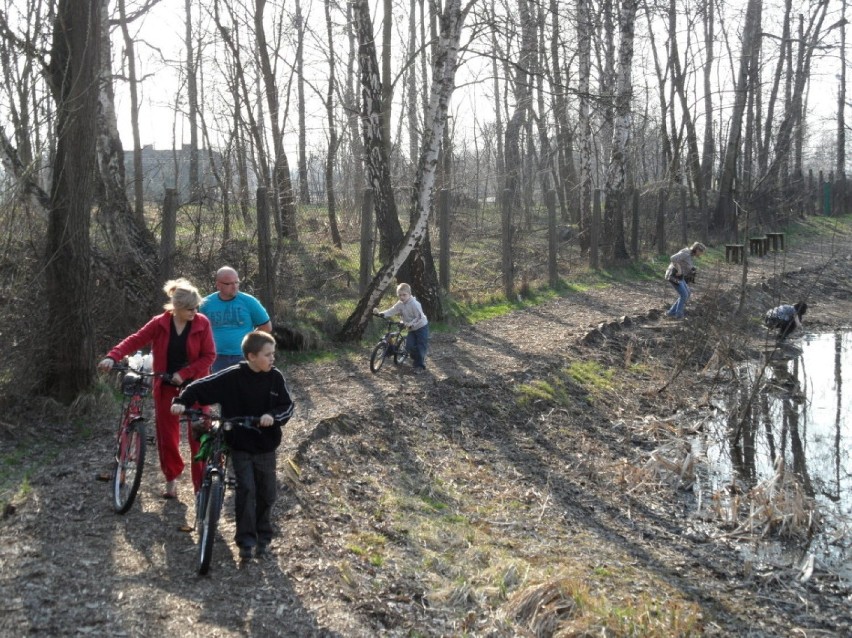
(493, 496)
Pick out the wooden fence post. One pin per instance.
(266, 289)
(167, 234)
(365, 272)
(594, 260)
(444, 239)
(552, 268)
(634, 231)
(506, 240)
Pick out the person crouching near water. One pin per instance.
(785, 318)
(680, 273)
(417, 341)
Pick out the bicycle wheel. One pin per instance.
(209, 523)
(378, 356)
(201, 500)
(400, 354)
(127, 469)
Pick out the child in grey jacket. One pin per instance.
(411, 313)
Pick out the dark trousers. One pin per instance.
(256, 491)
(417, 343)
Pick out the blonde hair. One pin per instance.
(403, 288)
(182, 294)
(698, 246)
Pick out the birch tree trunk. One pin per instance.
(614, 247)
(376, 150)
(443, 82)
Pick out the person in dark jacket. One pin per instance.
(785, 318)
(253, 388)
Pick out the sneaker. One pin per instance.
(261, 550)
(245, 552)
(171, 490)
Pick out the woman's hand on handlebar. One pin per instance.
(106, 364)
(176, 379)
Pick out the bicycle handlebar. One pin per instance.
(194, 415)
(123, 367)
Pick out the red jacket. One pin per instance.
(200, 349)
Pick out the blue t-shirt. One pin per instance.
(232, 320)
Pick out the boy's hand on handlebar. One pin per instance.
(178, 408)
(266, 420)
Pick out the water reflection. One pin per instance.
(786, 439)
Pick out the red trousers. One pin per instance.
(168, 436)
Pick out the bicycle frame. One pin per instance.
(392, 344)
(129, 457)
(214, 452)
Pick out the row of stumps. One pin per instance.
(757, 247)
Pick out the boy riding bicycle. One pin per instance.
(254, 387)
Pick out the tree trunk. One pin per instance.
(304, 193)
(373, 123)
(445, 62)
(333, 142)
(725, 218)
(133, 258)
(74, 67)
(709, 148)
(192, 105)
(614, 247)
(286, 205)
(134, 108)
(584, 51)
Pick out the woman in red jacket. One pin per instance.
(182, 345)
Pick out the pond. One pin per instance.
(779, 456)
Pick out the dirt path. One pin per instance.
(69, 566)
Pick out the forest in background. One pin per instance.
(510, 144)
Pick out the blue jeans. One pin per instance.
(678, 306)
(417, 343)
(257, 489)
(225, 361)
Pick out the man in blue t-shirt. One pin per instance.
(232, 314)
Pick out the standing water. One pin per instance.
(780, 458)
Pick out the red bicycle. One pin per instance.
(129, 458)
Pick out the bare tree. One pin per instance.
(333, 141)
(133, 255)
(614, 248)
(584, 45)
(725, 217)
(304, 192)
(192, 101)
(74, 64)
(443, 82)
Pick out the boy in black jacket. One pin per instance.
(254, 387)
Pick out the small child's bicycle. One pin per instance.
(129, 458)
(391, 345)
(210, 431)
